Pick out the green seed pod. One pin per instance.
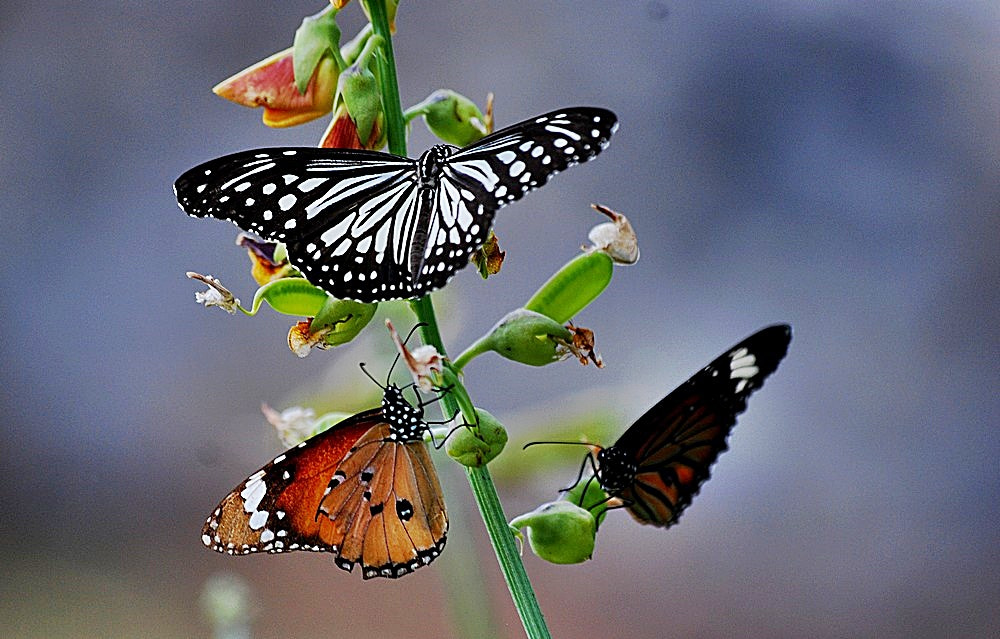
(344, 319)
(573, 287)
(452, 117)
(559, 532)
(475, 447)
(291, 296)
(527, 337)
(594, 495)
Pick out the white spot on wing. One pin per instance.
(258, 519)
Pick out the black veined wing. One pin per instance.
(365, 490)
(373, 226)
(504, 165)
(658, 465)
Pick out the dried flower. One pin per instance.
(216, 295)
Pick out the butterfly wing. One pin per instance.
(385, 509)
(498, 169)
(675, 443)
(346, 215)
(365, 255)
(506, 164)
(274, 510)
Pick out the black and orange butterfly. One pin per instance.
(658, 465)
(365, 490)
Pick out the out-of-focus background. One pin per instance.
(831, 165)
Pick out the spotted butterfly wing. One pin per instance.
(658, 465)
(385, 509)
(373, 226)
(364, 490)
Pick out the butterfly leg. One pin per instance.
(441, 392)
(579, 476)
(622, 503)
(439, 446)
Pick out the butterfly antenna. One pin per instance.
(377, 383)
(593, 466)
(573, 443)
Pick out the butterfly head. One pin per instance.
(616, 469)
(431, 163)
(406, 420)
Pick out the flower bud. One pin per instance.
(528, 337)
(343, 132)
(359, 92)
(452, 117)
(573, 287)
(344, 318)
(559, 532)
(391, 6)
(476, 446)
(316, 38)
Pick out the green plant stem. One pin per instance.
(395, 128)
(479, 478)
(489, 504)
(480, 346)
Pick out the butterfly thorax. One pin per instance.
(431, 164)
(616, 469)
(405, 419)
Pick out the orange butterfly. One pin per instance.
(365, 490)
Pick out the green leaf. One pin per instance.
(316, 36)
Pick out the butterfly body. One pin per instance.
(373, 226)
(365, 490)
(659, 464)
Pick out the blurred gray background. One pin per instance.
(831, 165)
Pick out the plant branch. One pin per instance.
(479, 478)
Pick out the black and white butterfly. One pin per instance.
(372, 226)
